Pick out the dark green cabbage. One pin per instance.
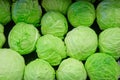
(5, 15)
(108, 14)
(101, 66)
(87, 0)
(81, 13)
(28, 11)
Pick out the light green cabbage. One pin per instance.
(23, 37)
(11, 65)
(81, 42)
(109, 42)
(81, 13)
(28, 11)
(71, 69)
(101, 66)
(108, 14)
(56, 5)
(54, 23)
(39, 70)
(5, 15)
(2, 36)
(51, 49)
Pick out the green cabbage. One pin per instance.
(23, 37)
(28, 11)
(71, 69)
(39, 70)
(56, 5)
(81, 13)
(108, 14)
(81, 42)
(54, 23)
(5, 15)
(51, 49)
(87, 0)
(101, 66)
(109, 42)
(11, 65)
(2, 36)
(119, 67)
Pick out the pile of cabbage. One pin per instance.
(59, 39)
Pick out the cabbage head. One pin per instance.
(109, 42)
(12, 65)
(54, 23)
(71, 69)
(2, 36)
(5, 14)
(39, 70)
(28, 11)
(81, 42)
(56, 5)
(51, 49)
(119, 67)
(101, 66)
(87, 0)
(23, 37)
(108, 14)
(81, 13)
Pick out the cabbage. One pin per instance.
(109, 42)
(56, 5)
(108, 14)
(23, 37)
(51, 49)
(71, 69)
(81, 13)
(102, 66)
(2, 36)
(28, 11)
(87, 0)
(119, 67)
(81, 42)
(5, 15)
(54, 23)
(11, 65)
(39, 70)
